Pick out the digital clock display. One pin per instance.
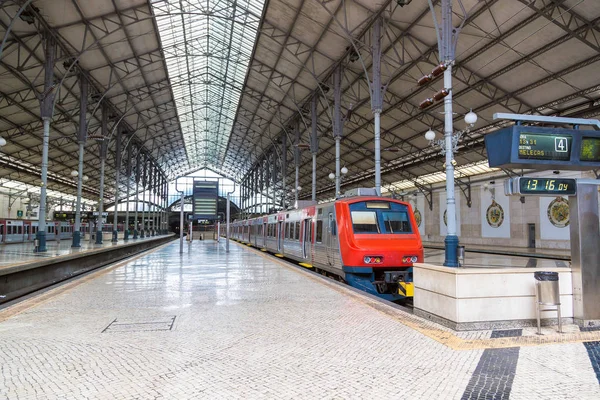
(547, 186)
(545, 147)
(590, 149)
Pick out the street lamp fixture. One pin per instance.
(85, 178)
(470, 120)
(2, 142)
(74, 174)
(331, 176)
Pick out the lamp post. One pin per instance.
(338, 180)
(448, 146)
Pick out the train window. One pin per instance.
(380, 217)
(396, 221)
(364, 222)
(332, 225)
(297, 236)
(288, 227)
(319, 237)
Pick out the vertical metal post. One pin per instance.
(446, 49)
(128, 173)
(296, 162)
(137, 191)
(115, 233)
(376, 101)
(314, 148)
(182, 201)
(81, 136)
(284, 170)
(150, 226)
(103, 148)
(144, 183)
(227, 227)
(46, 106)
(337, 124)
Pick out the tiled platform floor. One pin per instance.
(211, 325)
(17, 253)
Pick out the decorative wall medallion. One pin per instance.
(494, 215)
(418, 217)
(558, 212)
(446, 217)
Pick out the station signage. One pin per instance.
(524, 186)
(205, 196)
(534, 147)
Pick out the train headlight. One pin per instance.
(373, 259)
(410, 259)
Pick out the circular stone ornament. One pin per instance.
(558, 212)
(418, 217)
(494, 215)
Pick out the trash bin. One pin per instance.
(460, 251)
(547, 295)
(36, 244)
(547, 287)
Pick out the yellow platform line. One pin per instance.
(443, 335)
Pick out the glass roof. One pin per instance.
(208, 45)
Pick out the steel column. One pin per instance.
(314, 147)
(284, 170)
(144, 182)
(128, 173)
(137, 191)
(103, 149)
(81, 138)
(337, 124)
(115, 233)
(47, 109)
(447, 57)
(296, 162)
(376, 101)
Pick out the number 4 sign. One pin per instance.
(561, 144)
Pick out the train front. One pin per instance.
(379, 242)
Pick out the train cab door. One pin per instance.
(329, 243)
(307, 239)
(279, 235)
(264, 234)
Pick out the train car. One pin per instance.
(12, 231)
(369, 241)
(64, 230)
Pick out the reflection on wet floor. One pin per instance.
(479, 260)
(17, 253)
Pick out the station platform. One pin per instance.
(12, 254)
(554, 254)
(243, 325)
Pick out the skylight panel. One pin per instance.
(208, 46)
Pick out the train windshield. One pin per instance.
(380, 217)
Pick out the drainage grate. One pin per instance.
(135, 325)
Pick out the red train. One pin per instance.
(369, 241)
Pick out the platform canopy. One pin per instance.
(216, 84)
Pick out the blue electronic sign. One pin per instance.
(534, 147)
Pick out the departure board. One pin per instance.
(547, 186)
(590, 149)
(205, 195)
(534, 146)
